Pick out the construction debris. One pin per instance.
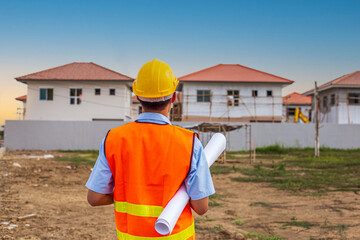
(27, 216)
(11, 226)
(215, 127)
(16, 165)
(46, 156)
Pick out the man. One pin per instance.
(142, 164)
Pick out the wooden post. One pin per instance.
(347, 105)
(210, 104)
(254, 150)
(187, 104)
(250, 143)
(273, 110)
(224, 154)
(286, 109)
(255, 109)
(228, 111)
(317, 119)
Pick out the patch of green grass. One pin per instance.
(80, 157)
(213, 203)
(339, 227)
(239, 223)
(264, 237)
(217, 228)
(221, 169)
(198, 220)
(237, 152)
(273, 149)
(209, 220)
(259, 171)
(295, 170)
(303, 224)
(262, 204)
(80, 151)
(216, 196)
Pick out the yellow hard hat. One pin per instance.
(155, 80)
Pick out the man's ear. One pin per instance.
(137, 98)
(173, 98)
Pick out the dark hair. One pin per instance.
(157, 106)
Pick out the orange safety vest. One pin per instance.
(149, 162)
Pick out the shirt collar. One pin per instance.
(153, 118)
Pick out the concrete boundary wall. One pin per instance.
(87, 135)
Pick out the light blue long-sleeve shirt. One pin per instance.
(198, 182)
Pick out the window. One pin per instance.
(291, 111)
(254, 93)
(140, 110)
(269, 93)
(233, 97)
(354, 98)
(75, 96)
(332, 100)
(112, 91)
(325, 102)
(46, 94)
(203, 95)
(97, 91)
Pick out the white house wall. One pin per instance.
(248, 106)
(93, 106)
(341, 112)
(348, 114)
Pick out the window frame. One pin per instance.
(254, 93)
(46, 93)
(290, 112)
(354, 100)
(235, 94)
(95, 93)
(271, 93)
(325, 101)
(75, 97)
(112, 88)
(205, 95)
(333, 99)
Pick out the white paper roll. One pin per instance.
(214, 148)
(171, 213)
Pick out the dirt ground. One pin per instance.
(46, 199)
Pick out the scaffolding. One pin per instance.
(228, 108)
(209, 129)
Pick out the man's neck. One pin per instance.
(163, 112)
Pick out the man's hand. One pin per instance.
(200, 206)
(98, 199)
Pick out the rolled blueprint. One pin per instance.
(171, 213)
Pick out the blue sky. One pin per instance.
(304, 41)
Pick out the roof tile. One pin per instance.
(296, 98)
(76, 71)
(22, 98)
(232, 73)
(348, 79)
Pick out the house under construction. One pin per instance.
(232, 93)
(294, 101)
(339, 100)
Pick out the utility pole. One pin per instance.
(317, 118)
(18, 112)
